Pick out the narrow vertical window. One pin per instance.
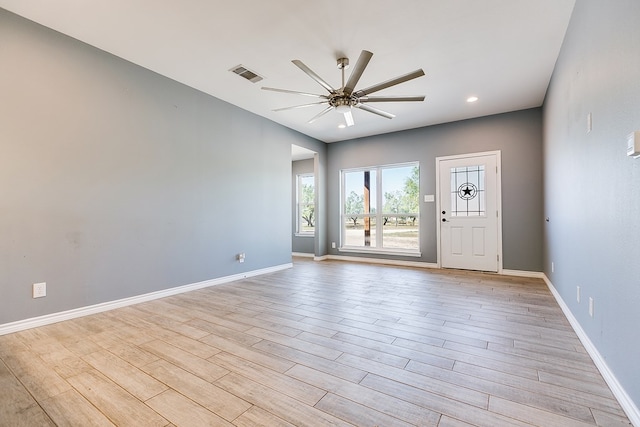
(306, 208)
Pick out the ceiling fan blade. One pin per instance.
(363, 61)
(301, 106)
(375, 111)
(348, 118)
(390, 98)
(320, 114)
(273, 89)
(313, 75)
(404, 78)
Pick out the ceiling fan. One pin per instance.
(347, 97)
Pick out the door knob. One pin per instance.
(444, 219)
(444, 212)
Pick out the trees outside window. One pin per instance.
(306, 207)
(380, 208)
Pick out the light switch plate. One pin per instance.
(633, 144)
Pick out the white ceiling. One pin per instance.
(502, 51)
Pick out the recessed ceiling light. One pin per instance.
(472, 99)
(342, 126)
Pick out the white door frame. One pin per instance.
(497, 153)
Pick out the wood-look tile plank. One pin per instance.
(282, 406)
(430, 384)
(306, 311)
(548, 397)
(252, 353)
(575, 374)
(168, 310)
(11, 344)
(260, 322)
(340, 326)
(346, 347)
(38, 378)
(439, 404)
(199, 348)
(17, 405)
(439, 332)
(389, 405)
(294, 324)
(64, 362)
(225, 332)
(517, 390)
(299, 390)
(610, 420)
(189, 362)
(70, 409)
(180, 328)
(525, 413)
(399, 351)
(325, 365)
(258, 417)
(575, 384)
(208, 395)
(520, 357)
(83, 346)
(445, 358)
(125, 375)
(121, 407)
(182, 411)
(568, 353)
(361, 415)
(124, 350)
(446, 421)
(298, 344)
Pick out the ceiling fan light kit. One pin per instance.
(346, 98)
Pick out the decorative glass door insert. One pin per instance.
(468, 197)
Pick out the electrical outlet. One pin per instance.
(590, 306)
(39, 290)
(333, 245)
(578, 293)
(240, 257)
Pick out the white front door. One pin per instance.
(469, 211)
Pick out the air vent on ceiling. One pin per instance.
(247, 74)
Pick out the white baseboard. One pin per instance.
(517, 273)
(397, 262)
(523, 273)
(48, 319)
(618, 391)
(302, 254)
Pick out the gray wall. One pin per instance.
(518, 136)
(592, 189)
(300, 244)
(115, 181)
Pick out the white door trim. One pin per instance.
(497, 153)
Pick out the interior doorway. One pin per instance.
(304, 201)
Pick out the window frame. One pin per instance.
(378, 213)
(299, 205)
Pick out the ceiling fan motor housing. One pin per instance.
(343, 103)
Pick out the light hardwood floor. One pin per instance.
(323, 343)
